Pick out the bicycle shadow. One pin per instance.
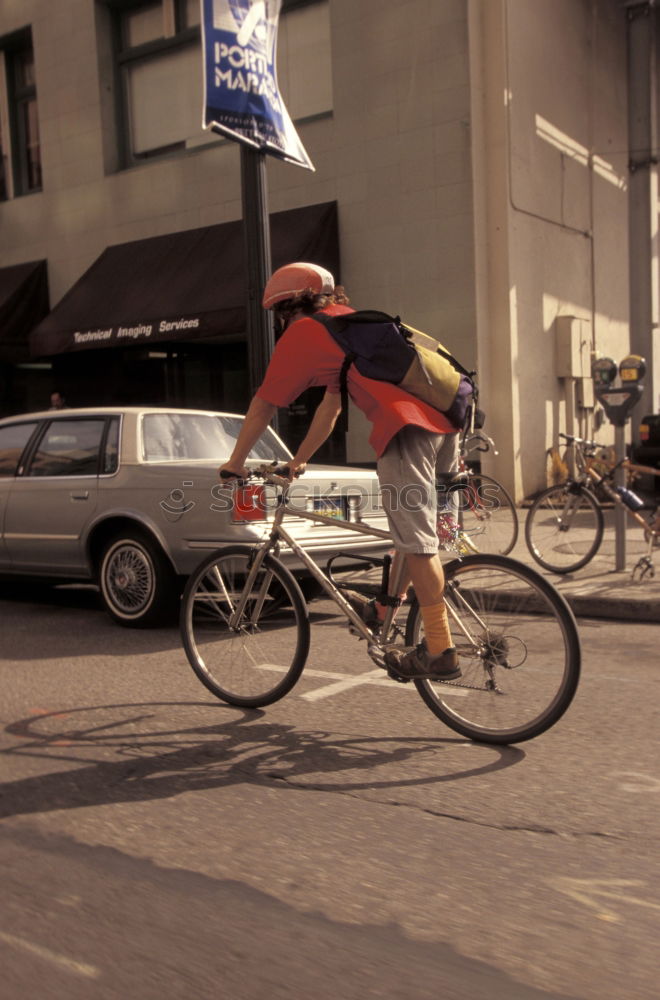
(243, 750)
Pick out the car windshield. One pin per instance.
(175, 437)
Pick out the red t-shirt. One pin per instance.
(307, 355)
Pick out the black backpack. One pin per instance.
(383, 348)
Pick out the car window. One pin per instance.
(111, 450)
(267, 449)
(12, 443)
(171, 437)
(68, 448)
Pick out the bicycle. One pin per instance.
(564, 527)
(246, 631)
(484, 509)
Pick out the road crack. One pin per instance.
(538, 829)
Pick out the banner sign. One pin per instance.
(241, 96)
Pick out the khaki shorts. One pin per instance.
(406, 473)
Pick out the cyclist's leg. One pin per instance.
(407, 473)
(519, 648)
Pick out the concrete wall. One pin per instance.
(551, 159)
(400, 150)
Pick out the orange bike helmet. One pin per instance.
(294, 279)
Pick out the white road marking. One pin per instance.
(642, 783)
(80, 968)
(307, 672)
(374, 677)
(585, 890)
(346, 681)
(371, 677)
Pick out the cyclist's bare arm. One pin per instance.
(259, 415)
(320, 429)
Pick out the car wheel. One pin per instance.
(138, 585)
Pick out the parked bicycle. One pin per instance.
(565, 525)
(246, 631)
(484, 509)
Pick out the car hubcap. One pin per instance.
(130, 580)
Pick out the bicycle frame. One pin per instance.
(280, 534)
(586, 474)
(614, 496)
(245, 596)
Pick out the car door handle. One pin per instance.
(80, 495)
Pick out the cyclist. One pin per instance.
(410, 439)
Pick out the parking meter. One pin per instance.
(618, 397)
(618, 400)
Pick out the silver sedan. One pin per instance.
(129, 498)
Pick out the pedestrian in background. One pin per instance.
(57, 401)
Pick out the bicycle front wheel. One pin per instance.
(258, 659)
(564, 528)
(519, 651)
(488, 515)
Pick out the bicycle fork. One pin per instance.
(569, 508)
(256, 562)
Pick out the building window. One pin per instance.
(20, 149)
(158, 54)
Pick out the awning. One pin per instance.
(187, 286)
(23, 302)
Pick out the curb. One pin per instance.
(613, 608)
(611, 594)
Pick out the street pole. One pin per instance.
(619, 509)
(256, 227)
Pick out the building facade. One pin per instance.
(471, 174)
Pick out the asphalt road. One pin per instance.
(155, 843)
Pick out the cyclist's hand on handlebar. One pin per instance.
(289, 471)
(231, 477)
(295, 469)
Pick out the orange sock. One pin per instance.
(436, 628)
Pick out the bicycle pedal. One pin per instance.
(396, 677)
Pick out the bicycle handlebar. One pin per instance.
(277, 475)
(580, 442)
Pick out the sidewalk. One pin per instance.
(598, 590)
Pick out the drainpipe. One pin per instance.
(643, 196)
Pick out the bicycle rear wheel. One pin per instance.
(487, 514)
(260, 659)
(564, 528)
(518, 647)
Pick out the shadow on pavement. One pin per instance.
(51, 622)
(181, 933)
(243, 748)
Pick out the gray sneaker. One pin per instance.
(417, 664)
